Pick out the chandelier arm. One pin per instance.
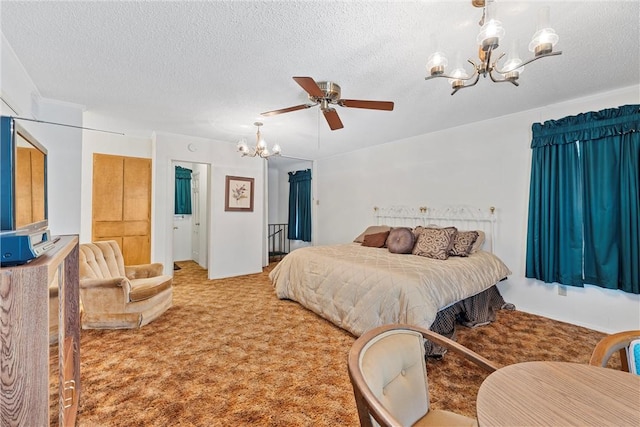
(495, 64)
(529, 61)
(515, 83)
(466, 86)
(446, 76)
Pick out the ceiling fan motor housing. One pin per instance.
(331, 92)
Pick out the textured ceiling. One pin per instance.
(208, 69)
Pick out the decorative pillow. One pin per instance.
(372, 229)
(477, 245)
(434, 242)
(419, 228)
(375, 240)
(463, 242)
(400, 240)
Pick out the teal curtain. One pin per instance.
(300, 205)
(584, 208)
(554, 241)
(612, 212)
(182, 199)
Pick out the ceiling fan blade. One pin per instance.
(371, 105)
(310, 86)
(287, 110)
(331, 115)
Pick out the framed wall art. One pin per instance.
(238, 194)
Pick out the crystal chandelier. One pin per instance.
(488, 39)
(261, 147)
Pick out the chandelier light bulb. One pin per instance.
(513, 60)
(242, 146)
(437, 63)
(545, 37)
(490, 34)
(492, 30)
(458, 74)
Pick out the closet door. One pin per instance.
(122, 204)
(29, 186)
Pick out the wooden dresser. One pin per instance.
(24, 333)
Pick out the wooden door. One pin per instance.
(122, 204)
(30, 188)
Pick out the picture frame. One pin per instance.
(238, 194)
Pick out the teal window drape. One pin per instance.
(300, 205)
(584, 200)
(182, 199)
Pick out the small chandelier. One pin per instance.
(261, 147)
(488, 40)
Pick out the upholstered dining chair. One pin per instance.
(627, 343)
(115, 296)
(389, 377)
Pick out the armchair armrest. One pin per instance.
(114, 282)
(143, 271)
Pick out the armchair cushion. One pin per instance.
(143, 289)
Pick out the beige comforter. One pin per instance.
(358, 288)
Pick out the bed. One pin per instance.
(357, 286)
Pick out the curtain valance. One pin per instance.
(587, 126)
(300, 176)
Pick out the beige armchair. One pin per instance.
(115, 296)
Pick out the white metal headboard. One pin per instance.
(462, 217)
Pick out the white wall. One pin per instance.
(482, 164)
(234, 239)
(236, 246)
(112, 142)
(21, 98)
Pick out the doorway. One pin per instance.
(190, 231)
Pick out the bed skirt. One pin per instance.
(477, 310)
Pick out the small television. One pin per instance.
(24, 233)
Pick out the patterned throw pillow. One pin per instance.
(463, 243)
(376, 240)
(400, 240)
(434, 242)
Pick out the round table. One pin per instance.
(559, 394)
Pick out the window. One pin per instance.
(584, 200)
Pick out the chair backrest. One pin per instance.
(101, 260)
(390, 369)
(627, 343)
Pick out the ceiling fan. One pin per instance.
(326, 94)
